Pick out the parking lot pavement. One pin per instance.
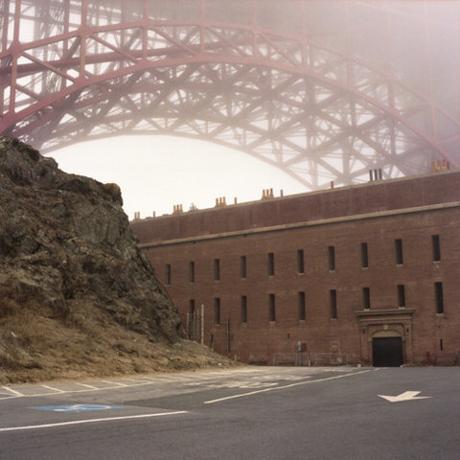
(241, 377)
(246, 413)
(58, 402)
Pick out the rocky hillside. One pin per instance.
(77, 297)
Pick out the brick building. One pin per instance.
(361, 274)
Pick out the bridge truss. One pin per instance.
(76, 70)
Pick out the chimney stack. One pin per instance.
(177, 209)
(440, 165)
(267, 194)
(221, 202)
(375, 174)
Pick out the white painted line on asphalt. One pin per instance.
(159, 379)
(114, 386)
(129, 381)
(92, 420)
(283, 387)
(16, 393)
(57, 390)
(115, 383)
(91, 387)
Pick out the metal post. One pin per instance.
(228, 335)
(202, 325)
(188, 325)
(196, 325)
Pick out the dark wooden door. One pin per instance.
(387, 351)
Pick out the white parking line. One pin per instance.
(91, 387)
(16, 393)
(88, 388)
(57, 390)
(115, 383)
(92, 420)
(283, 387)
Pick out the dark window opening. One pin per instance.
(244, 309)
(243, 267)
(192, 307)
(399, 252)
(364, 256)
(366, 298)
(439, 297)
(216, 269)
(401, 295)
(168, 274)
(441, 345)
(436, 242)
(302, 313)
(331, 257)
(271, 264)
(300, 261)
(191, 272)
(271, 307)
(333, 302)
(216, 310)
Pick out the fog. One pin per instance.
(414, 43)
(157, 172)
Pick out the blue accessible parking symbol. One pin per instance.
(77, 408)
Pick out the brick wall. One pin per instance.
(411, 210)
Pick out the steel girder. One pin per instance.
(318, 115)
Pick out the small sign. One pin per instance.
(77, 408)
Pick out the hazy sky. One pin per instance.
(156, 172)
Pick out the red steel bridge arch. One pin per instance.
(316, 114)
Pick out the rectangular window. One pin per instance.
(244, 309)
(300, 261)
(401, 295)
(191, 308)
(364, 256)
(243, 267)
(331, 257)
(271, 307)
(439, 297)
(271, 264)
(333, 303)
(216, 269)
(436, 248)
(399, 252)
(216, 310)
(366, 298)
(301, 306)
(168, 274)
(191, 272)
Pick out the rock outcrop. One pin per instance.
(76, 294)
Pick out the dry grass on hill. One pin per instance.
(36, 346)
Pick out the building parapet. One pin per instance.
(284, 227)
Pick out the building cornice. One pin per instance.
(304, 224)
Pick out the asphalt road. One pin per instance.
(246, 413)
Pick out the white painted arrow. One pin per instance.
(406, 396)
